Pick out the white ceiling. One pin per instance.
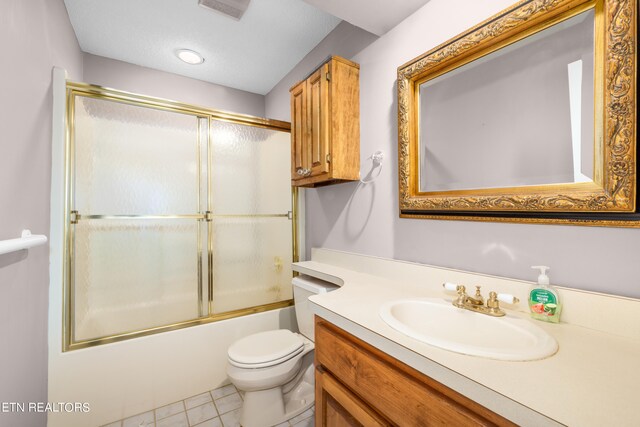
(375, 16)
(252, 54)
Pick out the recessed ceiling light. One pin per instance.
(190, 56)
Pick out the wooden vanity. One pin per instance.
(358, 385)
(368, 373)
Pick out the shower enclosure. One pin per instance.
(176, 216)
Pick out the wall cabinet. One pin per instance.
(358, 385)
(325, 125)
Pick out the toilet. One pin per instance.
(275, 368)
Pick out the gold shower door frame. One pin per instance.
(71, 217)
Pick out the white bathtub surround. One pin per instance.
(126, 378)
(157, 370)
(590, 381)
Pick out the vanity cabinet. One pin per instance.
(325, 125)
(359, 385)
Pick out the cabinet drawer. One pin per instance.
(337, 406)
(398, 392)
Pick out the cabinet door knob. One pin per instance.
(303, 171)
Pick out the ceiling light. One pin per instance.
(190, 56)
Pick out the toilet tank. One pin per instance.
(303, 288)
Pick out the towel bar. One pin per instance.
(27, 240)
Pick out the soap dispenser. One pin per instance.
(544, 302)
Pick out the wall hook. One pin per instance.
(377, 157)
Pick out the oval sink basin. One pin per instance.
(437, 322)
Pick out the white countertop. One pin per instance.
(593, 379)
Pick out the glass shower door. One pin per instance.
(252, 220)
(137, 234)
(176, 216)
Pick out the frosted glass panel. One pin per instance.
(134, 274)
(131, 275)
(132, 159)
(251, 172)
(252, 262)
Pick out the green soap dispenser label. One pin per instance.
(543, 302)
(542, 296)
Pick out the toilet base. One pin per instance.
(266, 408)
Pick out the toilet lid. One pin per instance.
(265, 349)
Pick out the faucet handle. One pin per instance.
(450, 286)
(493, 303)
(459, 289)
(507, 298)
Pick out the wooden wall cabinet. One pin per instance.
(325, 125)
(358, 385)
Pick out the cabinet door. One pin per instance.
(336, 406)
(299, 132)
(319, 112)
(394, 390)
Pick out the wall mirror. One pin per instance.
(529, 116)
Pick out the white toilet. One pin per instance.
(275, 368)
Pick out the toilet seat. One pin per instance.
(265, 349)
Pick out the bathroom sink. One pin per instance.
(437, 322)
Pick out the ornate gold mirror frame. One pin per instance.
(610, 200)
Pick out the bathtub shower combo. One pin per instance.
(175, 216)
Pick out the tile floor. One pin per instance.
(215, 408)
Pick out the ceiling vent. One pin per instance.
(231, 8)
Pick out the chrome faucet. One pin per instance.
(477, 304)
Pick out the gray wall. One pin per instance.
(134, 78)
(35, 35)
(345, 40)
(364, 218)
